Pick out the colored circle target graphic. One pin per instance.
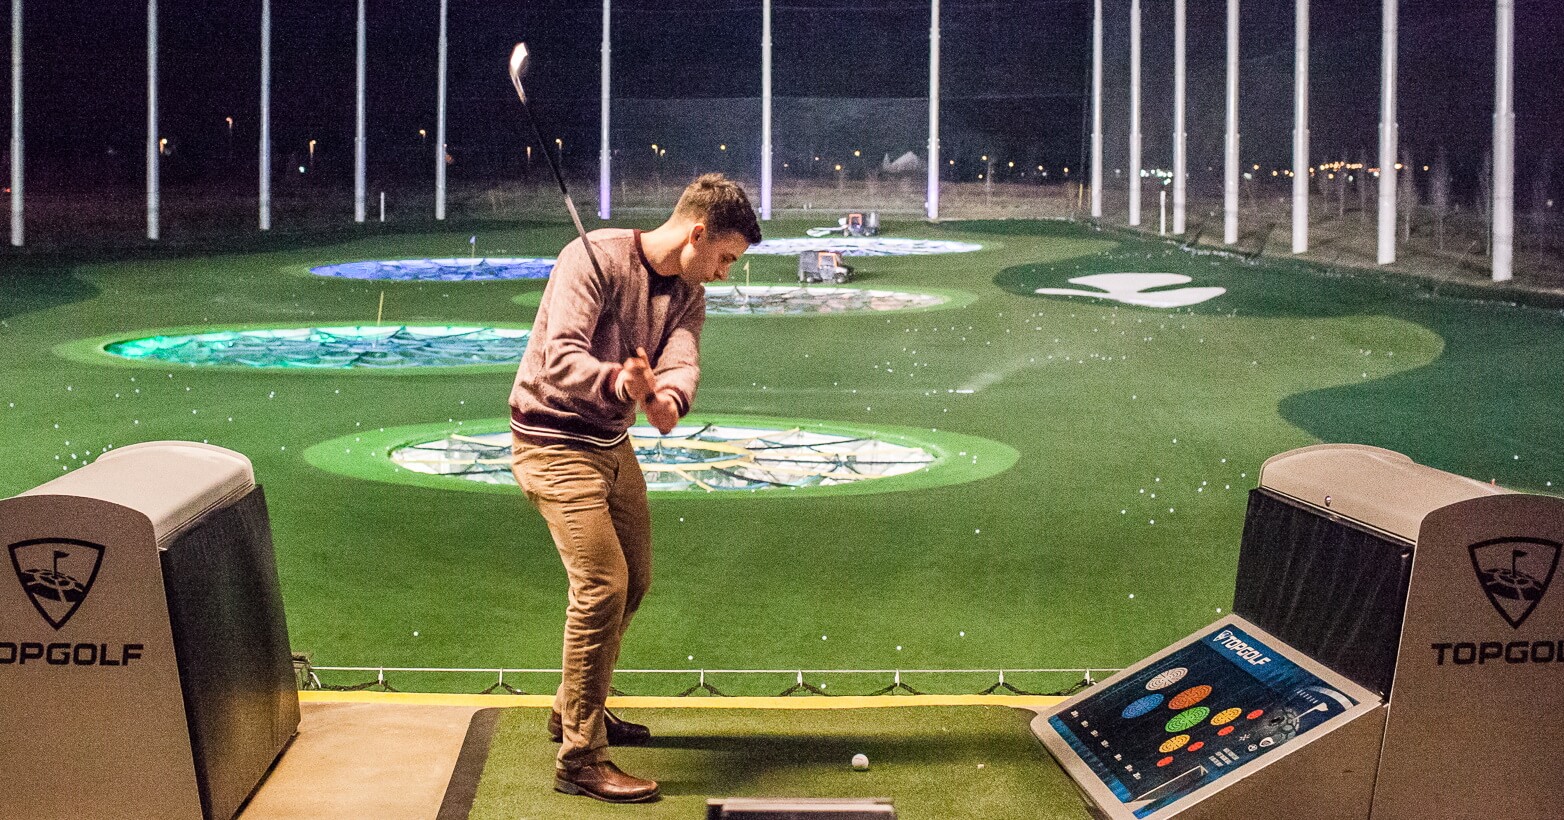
(1189, 697)
(1141, 706)
(1187, 719)
(1173, 744)
(1165, 679)
(1226, 716)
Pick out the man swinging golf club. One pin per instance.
(607, 337)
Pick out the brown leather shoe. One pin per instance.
(604, 781)
(620, 732)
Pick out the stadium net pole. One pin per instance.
(765, 109)
(1300, 132)
(1230, 158)
(933, 182)
(1096, 109)
(1387, 133)
(439, 126)
(1504, 144)
(264, 196)
(1180, 129)
(16, 123)
(1135, 159)
(358, 122)
(153, 148)
(604, 158)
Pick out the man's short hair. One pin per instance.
(720, 204)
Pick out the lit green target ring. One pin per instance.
(705, 456)
(322, 347)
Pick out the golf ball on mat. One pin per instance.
(860, 763)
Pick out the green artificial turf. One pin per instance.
(932, 762)
(1138, 430)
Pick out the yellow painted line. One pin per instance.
(540, 701)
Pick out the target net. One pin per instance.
(796, 301)
(333, 347)
(704, 457)
(441, 270)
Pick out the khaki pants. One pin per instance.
(594, 501)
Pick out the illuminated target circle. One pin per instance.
(322, 348)
(862, 246)
(705, 456)
(442, 270)
(790, 300)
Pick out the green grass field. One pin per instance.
(1139, 432)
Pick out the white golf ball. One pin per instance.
(860, 763)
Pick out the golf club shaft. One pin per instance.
(559, 177)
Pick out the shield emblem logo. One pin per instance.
(1515, 573)
(56, 574)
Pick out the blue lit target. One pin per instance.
(1142, 706)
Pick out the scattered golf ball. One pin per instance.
(860, 763)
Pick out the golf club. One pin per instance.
(519, 62)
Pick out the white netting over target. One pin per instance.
(790, 300)
(701, 457)
(862, 246)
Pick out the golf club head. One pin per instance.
(519, 61)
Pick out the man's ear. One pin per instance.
(696, 231)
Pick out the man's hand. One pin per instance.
(662, 411)
(636, 378)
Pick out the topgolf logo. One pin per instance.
(56, 574)
(1515, 573)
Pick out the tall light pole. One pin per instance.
(359, 186)
(932, 203)
(16, 123)
(1387, 133)
(1230, 152)
(265, 195)
(1096, 109)
(439, 126)
(603, 156)
(765, 109)
(1134, 113)
(1180, 129)
(1504, 143)
(1300, 130)
(153, 152)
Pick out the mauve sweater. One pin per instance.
(588, 325)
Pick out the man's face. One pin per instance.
(707, 256)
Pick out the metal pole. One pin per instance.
(358, 126)
(1300, 132)
(1504, 144)
(439, 125)
(1230, 160)
(1096, 109)
(265, 195)
(765, 109)
(604, 158)
(152, 138)
(16, 123)
(933, 183)
(1387, 133)
(1134, 113)
(1180, 135)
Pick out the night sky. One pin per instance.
(1015, 81)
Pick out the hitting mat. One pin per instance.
(935, 763)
